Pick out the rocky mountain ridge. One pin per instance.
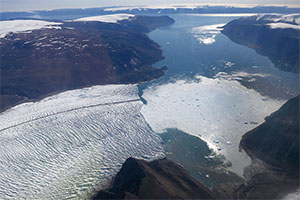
(40, 62)
(274, 36)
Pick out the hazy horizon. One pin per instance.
(31, 5)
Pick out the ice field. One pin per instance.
(66, 145)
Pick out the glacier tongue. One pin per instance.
(66, 145)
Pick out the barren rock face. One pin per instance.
(277, 140)
(275, 36)
(159, 179)
(76, 55)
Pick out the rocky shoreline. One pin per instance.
(269, 35)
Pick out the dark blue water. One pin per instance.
(185, 57)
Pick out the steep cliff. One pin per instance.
(276, 141)
(274, 36)
(159, 179)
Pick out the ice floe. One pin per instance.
(207, 34)
(240, 75)
(213, 109)
(292, 196)
(283, 25)
(25, 25)
(66, 145)
(113, 18)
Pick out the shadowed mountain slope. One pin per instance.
(159, 179)
(280, 45)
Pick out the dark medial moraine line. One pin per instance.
(70, 110)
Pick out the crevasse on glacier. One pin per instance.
(67, 144)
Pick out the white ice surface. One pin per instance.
(291, 18)
(292, 196)
(67, 144)
(66, 101)
(113, 18)
(24, 25)
(149, 7)
(191, 6)
(219, 111)
(281, 21)
(283, 25)
(207, 34)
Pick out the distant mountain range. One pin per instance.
(199, 9)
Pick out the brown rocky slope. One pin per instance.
(80, 54)
(159, 179)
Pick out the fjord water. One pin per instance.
(186, 55)
(214, 88)
(66, 145)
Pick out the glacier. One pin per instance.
(69, 144)
(112, 18)
(15, 26)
